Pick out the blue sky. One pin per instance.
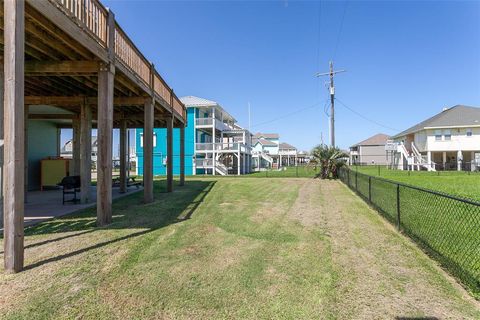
(405, 60)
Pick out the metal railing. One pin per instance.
(447, 227)
(201, 163)
(218, 146)
(204, 121)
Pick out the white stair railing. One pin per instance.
(221, 169)
(267, 157)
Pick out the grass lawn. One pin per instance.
(287, 172)
(230, 248)
(463, 184)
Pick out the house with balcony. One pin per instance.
(214, 143)
(269, 153)
(370, 151)
(450, 140)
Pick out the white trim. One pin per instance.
(450, 127)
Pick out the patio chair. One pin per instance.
(70, 186)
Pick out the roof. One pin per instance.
(380, 139)
(264, 142)
(266, 135)
(284, 145)
(457, 116)
(192, 101)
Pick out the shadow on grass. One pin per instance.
(128, 213)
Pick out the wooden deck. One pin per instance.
(73, 55)
(66, 42)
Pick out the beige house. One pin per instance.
(450, 140)
(370, 151)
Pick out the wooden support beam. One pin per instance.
(123, 156)
(77, 100)
(14, 152)
(104, 138)
(76, 147)
(25, 166)
(48, 10)
(49, 116)
(106, 83)
(148, 152)
(85, 152)
(182, 155)
(170, 155)
(61, 67)
(2, 123)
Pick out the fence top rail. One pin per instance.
(409, 186)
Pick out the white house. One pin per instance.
(450, 140)
(269, 152)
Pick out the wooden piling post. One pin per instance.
(170, 154)
(182, 155)
(148, 151)
(14, 134)
(104, 140)
(85, 152)
(76, 147)
(123, 155)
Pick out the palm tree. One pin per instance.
(330, 159)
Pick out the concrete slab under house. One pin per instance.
(69, 66)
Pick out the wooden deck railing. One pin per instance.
(89, 14)
(128, 54)
(178, 106)
(92, 17)
(161, 88)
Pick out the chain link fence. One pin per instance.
(447, 227)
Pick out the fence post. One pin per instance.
(369, 189)
(398, 206)
(379, 170)
(348, 177)
(356, 180)
(296, 170)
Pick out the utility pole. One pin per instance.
(331, 73)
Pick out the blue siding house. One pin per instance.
(214, 143)
(160, 148)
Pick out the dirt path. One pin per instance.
(382, 275)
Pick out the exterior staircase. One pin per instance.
(221, 169)
(415, 158)
(420, 161)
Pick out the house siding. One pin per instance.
(42, 143)
(372, 154)
(160, 149)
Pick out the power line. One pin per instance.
(319, 32)
(287, 115)
(365, 118)
(340, 30)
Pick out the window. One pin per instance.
(469, 132)
(447, 134)
(438, 135)
(154, 140)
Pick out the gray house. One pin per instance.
(370, 151)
